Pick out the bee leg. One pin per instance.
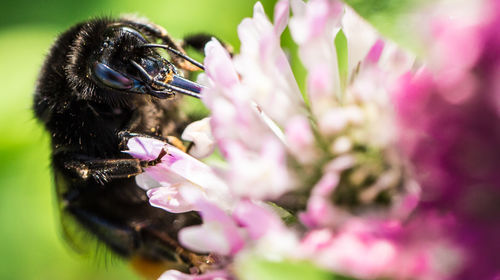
(160, 33)
(147, 27)
(199, 262)
(198, 42)
(102, 170)
(195, 41)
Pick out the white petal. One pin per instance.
(206, 238)
(360, 37)
(200, 134)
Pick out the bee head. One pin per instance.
(117, 59)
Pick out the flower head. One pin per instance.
(330, 164)
(448, 118)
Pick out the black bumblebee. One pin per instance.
(104, 81)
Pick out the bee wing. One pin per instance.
(76, 236)
(80, 239)
(72, 232)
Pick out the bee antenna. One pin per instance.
(176, 52)
(143, 72)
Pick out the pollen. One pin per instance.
(84, 173)
(169, 77)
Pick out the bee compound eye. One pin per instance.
(110, 77)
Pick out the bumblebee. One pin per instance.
(104, 81)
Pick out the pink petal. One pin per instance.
(162, 176)
(298, 28)
(319, 82)
(320, 213)
(257, 220)
(206, 238)
(320, 210)
(318, 16)
(144, 148)
(175, 275)
(376, 50)
(281, 14)
(171, 198)
(218, 233)
(146, 181)
(300, 140)
(189, 168)
(298, 132)
(333, 121)
(210, 212)
(251, 173)
(219, 66)
(317, 239)
(326, 184)
(360, 35)
(210, 275)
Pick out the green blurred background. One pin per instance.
(30, 243)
